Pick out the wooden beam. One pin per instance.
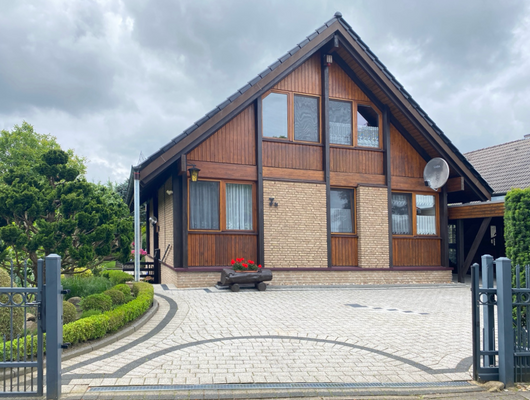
(407, 183)
(226, 171)
(177, 219)
(184, 225)
(259, 165)
(354, 179)
(460, 251)
(455, 184)
(476, 243)
(388, 174)
(444, 228)
(478, 210)
(294, 174)
(326, 155)
(182, 165)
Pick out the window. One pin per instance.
(367, 126)
(208, 198)
(291, 116)
(306, 118)
(340, 125)
(342, 210)
(423, 220)
(275, 116)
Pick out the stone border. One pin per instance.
(106, 340)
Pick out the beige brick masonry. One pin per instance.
(372, 227)
(165, 221)
(295, 232)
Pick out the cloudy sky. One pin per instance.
(113, 78)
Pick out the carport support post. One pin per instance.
(54, 326)
(504, 304)
(137, 232)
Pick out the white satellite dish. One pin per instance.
(436, 173)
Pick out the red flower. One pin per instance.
(233, 262)
(244, 265)
(239, 259)
(250, 262)
(259, 266)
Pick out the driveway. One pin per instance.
(369, 334)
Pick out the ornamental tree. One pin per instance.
(46, 206)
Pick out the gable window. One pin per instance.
(275, 116)
(342, 211)
(291, 116)
(422, 222)
(220, 206)
(367, 126)
(340, 124)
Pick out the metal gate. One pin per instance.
(501, 334)
(21, 343)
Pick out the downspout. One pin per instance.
(137, 231)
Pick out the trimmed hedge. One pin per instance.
(116, 296)
(117, 277)
(100, 301)
(125, 289)
(93, 327)
(69, 312)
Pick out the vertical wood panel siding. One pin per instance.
(416, 252)
(206, 250)
(344, 252)
(405, 161)
(342, 87)
(234, 143)
(356, 161)
(292, 155)
(304, 79)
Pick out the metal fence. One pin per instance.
(501, 334)
(22, 344)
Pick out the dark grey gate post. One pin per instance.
(488, 313)
(504, 304)
(54, 326)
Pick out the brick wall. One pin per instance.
(165, 221)
(151, 229)
(372, 227)
(295, 231)
(303, 278)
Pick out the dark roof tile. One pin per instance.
(213, 112)
(312, 36)
(234, 96)
(284, 57)
(275, 65)
(303, 43)
(255, 80)
(202, 120)
(321, 29)
(264, 73)
(190, 129)
(223, 104)
(294, 50)
(245, 88)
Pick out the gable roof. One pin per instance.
(369, 73)
(504, 166)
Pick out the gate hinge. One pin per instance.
(65, 345)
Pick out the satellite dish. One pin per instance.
(436, 173)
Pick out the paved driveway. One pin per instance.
(363, 334)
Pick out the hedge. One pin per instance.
(117, 277)
(96, 326)
(517, 226)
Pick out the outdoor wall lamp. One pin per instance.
(194, 173)
(169, 192)
(153, 220)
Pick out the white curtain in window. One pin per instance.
(426, 215)
(204, 205)
(401, 219)
(341, 220)
(238, 206)
(424, 201)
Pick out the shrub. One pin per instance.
(100, 302)
(84, 287)
(125, 289)
(5, 312)
(116, 296)
(517, 226)
(69, 312)
(117, 277)
(89, 313)
(135, 290)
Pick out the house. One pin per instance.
(313, 169)
(478, 228)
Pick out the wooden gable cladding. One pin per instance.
(292, 155)
(342, 87)
(304, 79)
(404, 160)
(234, 143)
(356, 161)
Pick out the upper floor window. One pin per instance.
(422, 222)
(341, 126)
(291, 116)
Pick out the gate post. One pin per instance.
(54, 326)
(504, 304)
(488, 313)
(475, 316)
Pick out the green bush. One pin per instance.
(92, 327)
(69, 312)
(517, 226)
(116, 296)
(89, 313)
(100, 302)
(5, 312)
(125, 289)
(135, 290)
(117, 277)
(83, 287)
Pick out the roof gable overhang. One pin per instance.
(336, 37)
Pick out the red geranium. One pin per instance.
(241, 265)
(233, 262)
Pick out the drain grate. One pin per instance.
(259, 386)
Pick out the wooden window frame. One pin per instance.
(290, 117)
(354, 216)
(414, 223)
(222, 207)
(354, 104)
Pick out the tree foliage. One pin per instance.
(46, 206)
(517, 226)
